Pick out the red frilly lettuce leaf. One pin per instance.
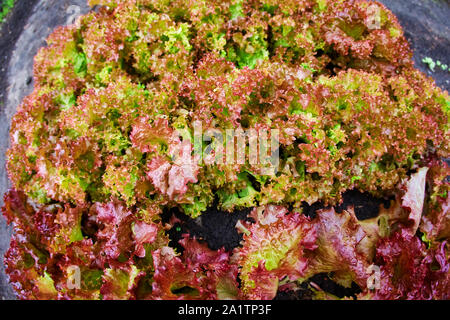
(341, 250)
(409, 271)
(273, 249)
(172, 177)
(200, 273)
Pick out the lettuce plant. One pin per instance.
(104, 145)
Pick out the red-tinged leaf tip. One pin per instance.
(115, 231)
(338, 251)
(172, 178)
(149, 137)
(414, 197)
(143, 233)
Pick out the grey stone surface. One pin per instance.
(426, 25)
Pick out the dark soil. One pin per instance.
(303, 292)
(323, 281)
(328, 285)
(215, 227)
(365, 205)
